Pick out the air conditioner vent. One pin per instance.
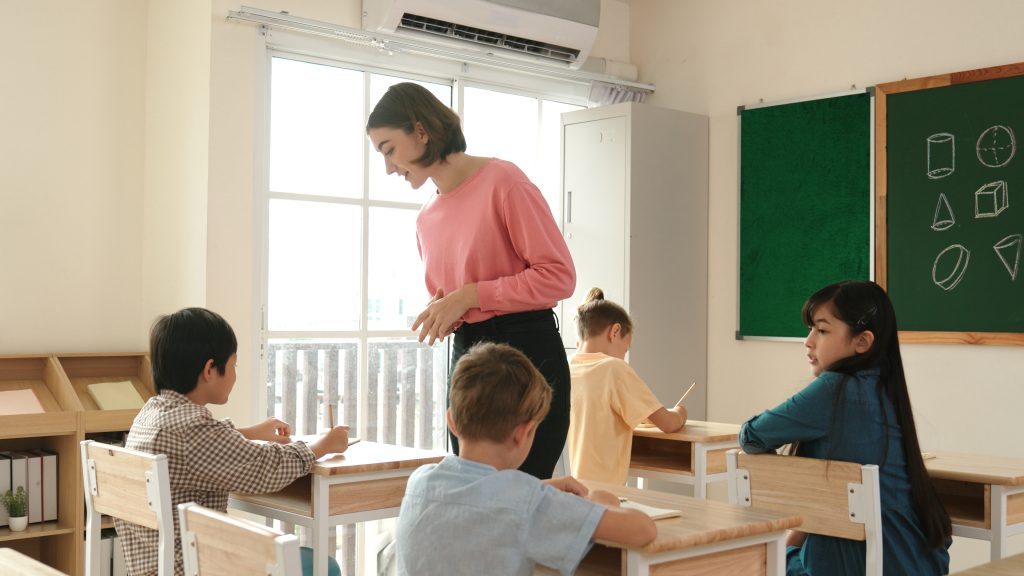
(488, 38)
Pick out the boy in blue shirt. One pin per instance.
(503, 521)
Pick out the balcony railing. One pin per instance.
(400, 401)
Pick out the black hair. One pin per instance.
(864, 306)
(406, 104)
(180, 345)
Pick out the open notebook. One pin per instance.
(653, 512)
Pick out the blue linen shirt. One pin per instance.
(859, 435)
(463, 517)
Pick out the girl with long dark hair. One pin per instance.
(858, 410)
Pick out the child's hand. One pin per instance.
(568, 484)
(270, 430)
(604, 498)
(335, 441)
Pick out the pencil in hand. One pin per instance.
(330, 416)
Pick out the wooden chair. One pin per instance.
(834, 498)
(130, 485)
(215, 544)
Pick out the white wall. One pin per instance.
(177, 127)
(72, 120)
(710, 57)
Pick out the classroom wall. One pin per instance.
(710, 57)
(176, 167)
(72, 120)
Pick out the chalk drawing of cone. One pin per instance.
(1008, 251)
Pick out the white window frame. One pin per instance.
(368, 60)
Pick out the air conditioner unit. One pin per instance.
(557, 33)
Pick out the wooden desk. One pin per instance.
(365, 483)
(1012, 566)
(709, 538)
(14, 563)
(694, 455)
(984, 495)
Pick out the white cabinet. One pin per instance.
(635, 217)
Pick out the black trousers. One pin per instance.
(535, 334)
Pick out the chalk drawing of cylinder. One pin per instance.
(941, 155)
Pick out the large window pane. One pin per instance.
(316, 129)
(396, 289)
(502, 125)
(392, 187)
(313, 280)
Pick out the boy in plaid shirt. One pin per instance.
(193, 353)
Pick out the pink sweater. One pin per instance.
(495, 229)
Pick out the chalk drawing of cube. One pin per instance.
(991, 199)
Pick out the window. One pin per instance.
(344, 280)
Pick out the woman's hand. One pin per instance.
(271, 430)
(443, 312)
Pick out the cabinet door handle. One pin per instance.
(568, 207)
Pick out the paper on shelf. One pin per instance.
(116, 395)
(23, 401)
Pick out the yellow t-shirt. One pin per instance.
(608, 400)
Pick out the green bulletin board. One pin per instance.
(954, 195)
(805, 207)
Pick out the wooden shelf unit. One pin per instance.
(60, 382)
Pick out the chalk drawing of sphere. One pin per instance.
(996, 146)
(950, 266)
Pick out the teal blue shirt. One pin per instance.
(858, 435)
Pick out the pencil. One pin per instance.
(685, 393)
(330, 416)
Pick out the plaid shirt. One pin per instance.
(207, 458)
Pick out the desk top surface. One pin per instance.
(373, 457)
(694, 431)
(1012, 566)
(18, 563)
(998, 470)
(702, 521)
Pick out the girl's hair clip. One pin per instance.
(863, 321)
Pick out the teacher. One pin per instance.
(495, 262)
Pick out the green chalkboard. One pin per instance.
(954, 191)
(805, 207)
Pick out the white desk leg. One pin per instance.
(776, 561)
(998, 532)
(700, 471)
(321, 530)
(636, 565)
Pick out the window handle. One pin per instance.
(568, 208)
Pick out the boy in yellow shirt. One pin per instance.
(609, 399)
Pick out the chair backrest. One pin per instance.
(215, 544)
(130, 485)
(834, 498)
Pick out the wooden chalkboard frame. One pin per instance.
(881, 231)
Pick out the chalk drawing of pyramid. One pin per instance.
(943, 218)
(1008, 250)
